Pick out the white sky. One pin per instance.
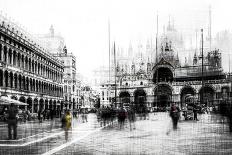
(84, 23)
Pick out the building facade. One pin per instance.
(71, 85)
(28, 72)
(157, 84)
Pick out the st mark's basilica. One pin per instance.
(165, 80)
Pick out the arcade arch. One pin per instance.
(163, 95)
(163, 74)
(124, 97)
(206, 95)
(186, 91)
(140, 99)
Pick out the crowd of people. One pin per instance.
(106, 116)
(46, 114)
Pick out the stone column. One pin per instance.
(13, 82)
(29, 85)
(3, 78)
(6, 55)
(32, 106)
(16, 59)
(12, 55)
(18, 82)
(8, 80)
(214, 97)
(38, 105)
(2, 53)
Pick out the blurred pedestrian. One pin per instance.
(84, 115)
(131, 117)
(195, 110)
(175, 115)
(12, 121)
(121, 117)
(68, 124)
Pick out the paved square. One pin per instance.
(151, 136)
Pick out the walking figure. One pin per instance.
(195, 110)
(68, 124)
(84, 115)
(121, 117)
(131, 117)
(175, 115)
(12, 121)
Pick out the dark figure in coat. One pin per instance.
(175, 115)
(12, 121)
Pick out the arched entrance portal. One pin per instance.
(206, 95)
(54, 105)
(225, 91)
(50, 105)
(22, 99)
(29, 103)
(186, 91)
(14, 97)
(36, 105)
(41, 104)
(124, 97)
(163, 96)
(140, 100)
(163, 74)
(46, 104)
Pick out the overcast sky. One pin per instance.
(84, 23)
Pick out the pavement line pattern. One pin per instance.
(35, 141)
(22, 124)
(70, 143)
(28, 136)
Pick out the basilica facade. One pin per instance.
(166, 81)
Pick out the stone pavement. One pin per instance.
(153, 136)
(156, 136)
(39, 138)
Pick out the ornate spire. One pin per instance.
(177, 56)
(195, 58)
(51, 31)
(65, 49)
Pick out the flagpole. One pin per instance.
(156, 56)
(109, 46)
(115, 72)
(156, 40)
(202, 67)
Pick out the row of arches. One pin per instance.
(206, 94)
(163, 95)
(13, 57)
(21, 82)
(36, 104)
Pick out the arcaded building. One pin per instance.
(165, 81)
(28, 72)
(169, 82)
(71, 84)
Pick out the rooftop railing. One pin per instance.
(20, 33)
